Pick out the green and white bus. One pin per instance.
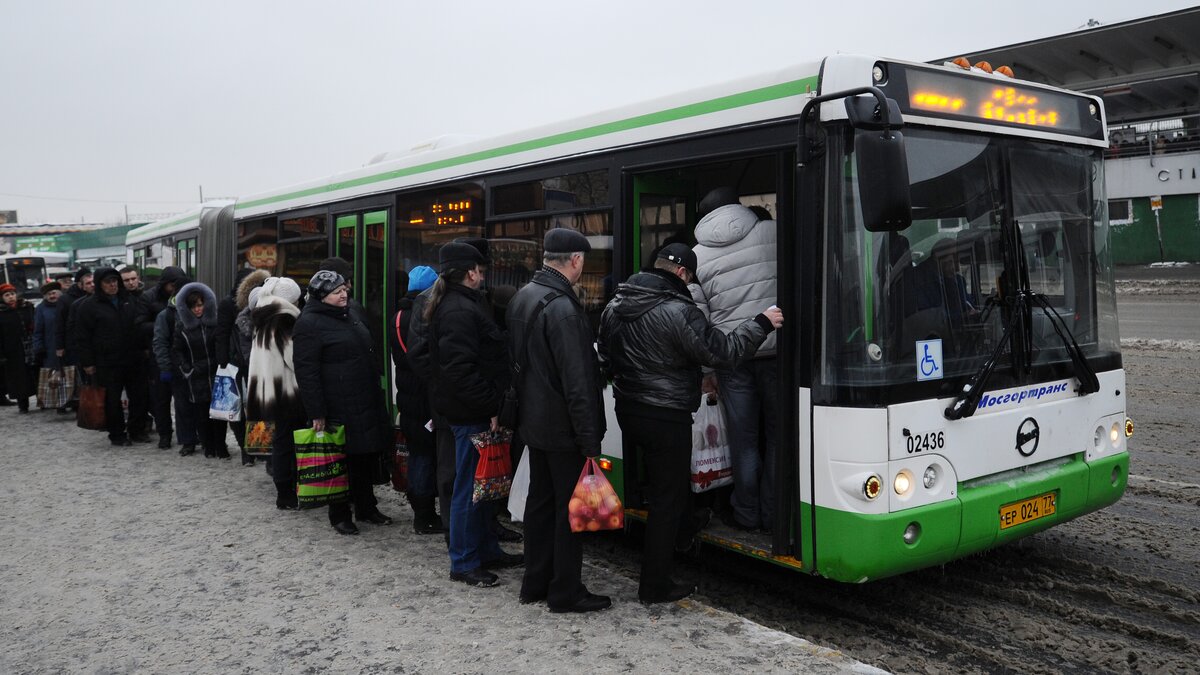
(950, 372)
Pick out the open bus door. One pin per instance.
(362, 240)
(664, 211)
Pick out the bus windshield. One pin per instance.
(987, 212)
(27, 274)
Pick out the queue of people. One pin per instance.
(306, 359)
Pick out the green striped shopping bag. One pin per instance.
(321, 476)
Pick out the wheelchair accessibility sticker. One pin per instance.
(929, 360)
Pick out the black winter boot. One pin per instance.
(285, 499)
(425, 517)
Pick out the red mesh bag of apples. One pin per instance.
(595, 505)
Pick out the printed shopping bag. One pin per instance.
(712, 461)
(321, 476)
(519, 492)
(400, 463)
(226, 402)
(91, 407)
(52, 389)
(258, 437)
(594, 504)
(493, 472)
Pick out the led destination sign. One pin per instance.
(991, 101)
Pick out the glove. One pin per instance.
(164, 376)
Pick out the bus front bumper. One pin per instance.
(855, 548)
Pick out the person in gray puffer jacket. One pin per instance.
(653, 341)
(737, 276)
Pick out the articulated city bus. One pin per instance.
(949, 371)
(178, 240)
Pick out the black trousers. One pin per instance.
(132, 380)
(447, 460)
(160, 405)
(553, 554)
(666, 451)
(362, 493)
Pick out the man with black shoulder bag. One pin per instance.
(560, 417)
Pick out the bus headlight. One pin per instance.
(1114, 435)
(1098, 439)
(930, 477)
(902, 483)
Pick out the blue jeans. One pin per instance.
(472, 541)
(748, 392)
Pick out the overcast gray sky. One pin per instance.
(143, 102)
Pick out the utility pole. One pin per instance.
(127, 215)
(201, 194)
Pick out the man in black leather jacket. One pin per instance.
(653, 341)
(560, 419)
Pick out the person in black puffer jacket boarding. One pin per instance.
(470, 370)
(654, 340)
(338, 376)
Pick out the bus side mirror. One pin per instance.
(883, 180)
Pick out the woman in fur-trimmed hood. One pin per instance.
(272, 393)
(194, 356)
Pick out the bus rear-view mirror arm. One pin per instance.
(880, 159)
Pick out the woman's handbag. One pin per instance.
(91, 407)
(493, 472)
(594, 505)
(259, 434)
(321, 476)
(225, 403)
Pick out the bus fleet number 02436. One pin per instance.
(934, 440)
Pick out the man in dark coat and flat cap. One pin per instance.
(561, 419)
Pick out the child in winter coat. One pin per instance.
(194, 360)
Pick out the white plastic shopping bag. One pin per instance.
(712, 463)
(226, 401)
(520, 489)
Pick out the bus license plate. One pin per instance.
(1027, 510)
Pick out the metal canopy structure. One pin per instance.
(1145, 69)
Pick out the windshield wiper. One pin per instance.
(968, 399)
(965, 404)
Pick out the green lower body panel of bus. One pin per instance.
(854, 547)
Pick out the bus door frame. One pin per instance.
(358, 211)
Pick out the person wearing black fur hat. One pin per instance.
(106, 337)
(194, 358)
(337, 371)
(468, 375)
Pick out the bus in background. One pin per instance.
(950, 376)
(199, 241)
(29, 270)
